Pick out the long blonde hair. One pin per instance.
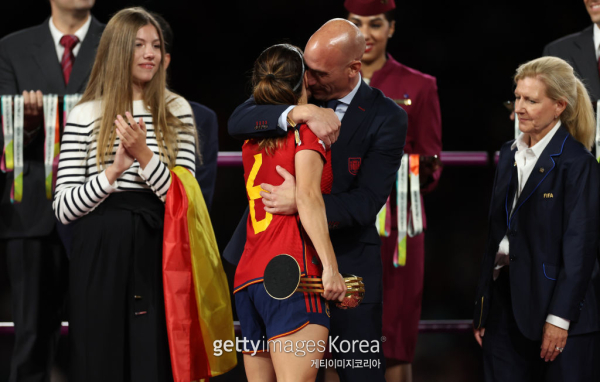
(111, 81)
(562, 84)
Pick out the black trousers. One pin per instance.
(117, 321)
(38, 275)
(362, 324)
(510, 356)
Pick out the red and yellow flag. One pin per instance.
(197, 300)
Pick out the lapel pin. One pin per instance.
(542, 170)
(515, 165)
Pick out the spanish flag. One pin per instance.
(197, 301)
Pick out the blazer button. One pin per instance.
(512, 258)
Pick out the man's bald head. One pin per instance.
(333, 56)
(339, 35)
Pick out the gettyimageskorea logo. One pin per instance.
(299, 348)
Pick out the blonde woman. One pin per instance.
(536, 308)
(118, 146)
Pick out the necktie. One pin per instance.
(332, 104)
(68, 59)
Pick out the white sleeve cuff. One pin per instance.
(557, 321)
(150, 168)
(106, 186)
(282, 121)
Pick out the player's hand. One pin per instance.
(33, 109)
(321, 121)
(553, 338)
(334, 286)
(479, 333)
(280, 200)
(123, 160)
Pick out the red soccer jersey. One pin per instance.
(271, 235)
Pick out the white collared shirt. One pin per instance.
(597, 40)
(526, 158)
(57, 35)
(340, 110)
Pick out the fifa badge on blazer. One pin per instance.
(354, 165)
(548, 195)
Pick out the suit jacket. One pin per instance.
(208, 134)
(553, 235)
(364, 162)
(579, 51)
(28, 61)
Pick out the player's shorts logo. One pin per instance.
(327, 309)
(354, 165)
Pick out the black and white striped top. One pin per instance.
(79, 186)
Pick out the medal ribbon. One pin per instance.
(16, 194)
(416, 224)
(51, 143)
(7, 161)
(402, 205)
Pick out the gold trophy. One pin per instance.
(283, 278)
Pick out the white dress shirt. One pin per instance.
(57, 35)
(526, 157)
(340, 110)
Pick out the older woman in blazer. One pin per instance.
(536, 308)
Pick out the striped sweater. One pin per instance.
(79, 186)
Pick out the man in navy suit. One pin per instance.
(37, 61)
(537, 298)
(582, 50)
(364, 159)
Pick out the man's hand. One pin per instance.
(554, 337)
(321, 121)
(479, 333)
(280, 200)
(33, 109)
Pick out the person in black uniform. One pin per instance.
(53, 57)
(364, 162)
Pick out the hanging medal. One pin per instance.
(415, 226)
(7, 161)
(399, 258)
(51, 142)
(16, 194)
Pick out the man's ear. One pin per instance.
(167, 60)
(355, 68)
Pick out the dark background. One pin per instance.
(472, 47)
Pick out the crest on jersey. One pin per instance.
(354, 165)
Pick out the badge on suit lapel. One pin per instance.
(354, 165)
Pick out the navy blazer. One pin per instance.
(208, 135)
(553, 235)
(364, 162)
